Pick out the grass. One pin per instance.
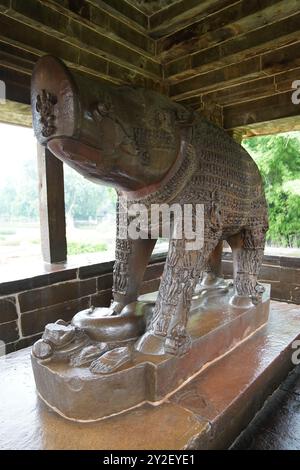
(77, 248)
(7, 232)
(4, 242)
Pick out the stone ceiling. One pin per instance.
(233, 60)
(149, 7)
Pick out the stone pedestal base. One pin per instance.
(215, 327)
(208, 412)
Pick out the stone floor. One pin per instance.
(209, 412)
(277, 425)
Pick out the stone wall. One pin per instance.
(281, 272)
(26, 306)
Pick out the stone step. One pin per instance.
(277, 425)
(209, 412)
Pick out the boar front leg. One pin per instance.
(132, 258)
(167, 332)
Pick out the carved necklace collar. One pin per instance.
(173, 183)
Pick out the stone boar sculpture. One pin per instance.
(155, 151)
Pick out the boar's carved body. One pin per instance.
(154, 151)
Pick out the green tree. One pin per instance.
(8, 195)
(26, 203)
(278, 158)
(19, 197)
(84, 199)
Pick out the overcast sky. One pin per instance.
(17, 144)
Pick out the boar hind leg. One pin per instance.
(212, 271)
(248, 250)
(167, 333)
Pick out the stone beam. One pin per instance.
(260, 110)
(127, 10)
(234, 20)
(276, 60)
(277, 126)
(73, 35)
(100, 14)
(257, 41)
(254, 88)
(169, 19)
(16, 113)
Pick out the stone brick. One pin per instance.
(9, 332)
(22, 343)
(290, 262)
(56, 294)
(34, 322)
(104, 282)
(19, 285)
(280, 291)
(269, 273)
(25, 342)
(150, 286)
(274, 260)
(290, 275)
(95, 270)
(295, 294)
(10, 347)
(227, 268)
(154, 271)
(8, 311)
(102, 299)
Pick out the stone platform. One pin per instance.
(215, 327)
(209, 412)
